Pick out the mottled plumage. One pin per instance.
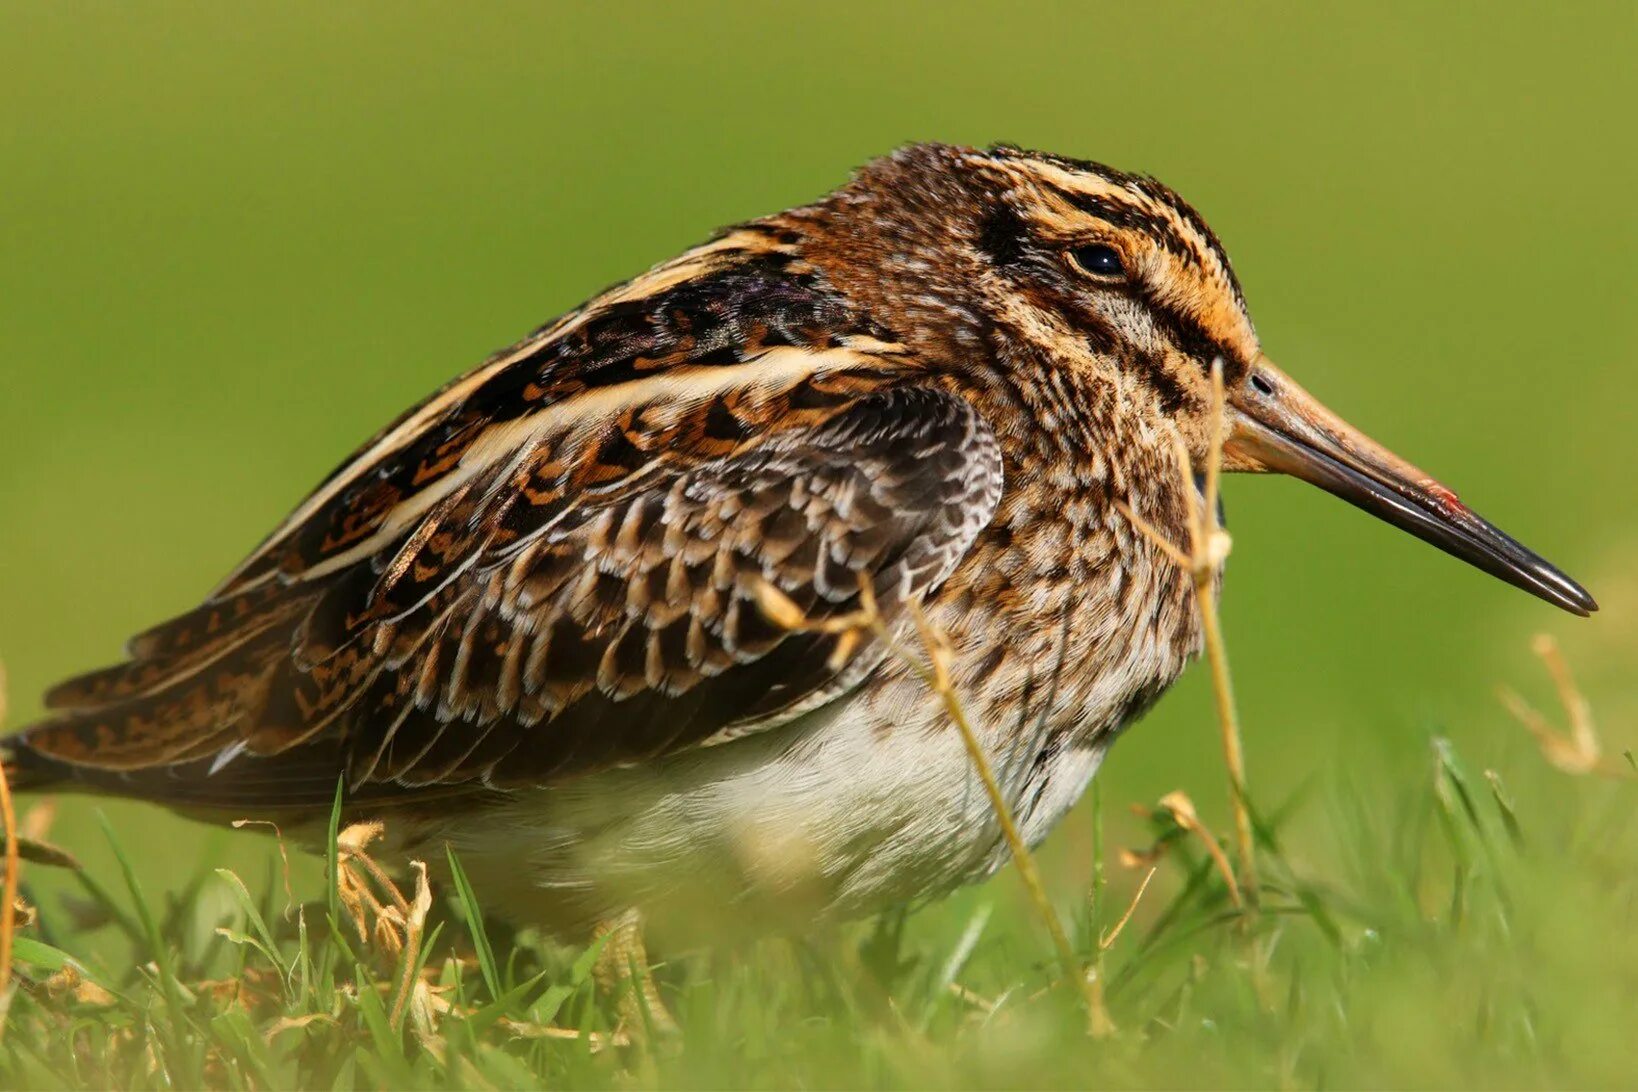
(523, 618)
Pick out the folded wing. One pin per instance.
(584, 595)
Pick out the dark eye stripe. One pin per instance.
(1190, 337)
(1003, 236)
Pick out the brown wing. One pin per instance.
(626, 628)
(518, 597)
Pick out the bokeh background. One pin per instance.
(235, 239)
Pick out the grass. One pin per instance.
(1465, 928)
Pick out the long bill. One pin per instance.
(1275, 425)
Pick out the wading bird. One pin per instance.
(524, 618)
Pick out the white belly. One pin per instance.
(837, 814)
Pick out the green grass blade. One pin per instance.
(339, 948)
(177, 1033)
(474, 925)
(389, 1044)
(106, 902)
(580, 973)
(1504, 806)
(233, 1028)
(950, 969)
(253, 915)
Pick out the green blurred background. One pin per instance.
(238, 238)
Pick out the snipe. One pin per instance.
(522, 619)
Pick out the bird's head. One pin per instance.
(1122, 287)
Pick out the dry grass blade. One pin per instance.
(295, 1023)
(939, 655)
(284, 858)
(595, 1040)
(69, 982)
(1152, 533)
(1100, 1024)
(32, 828)
(1578, 751)
(1209, 545)
(1107, 940)
(935, 672)
(1181, 809)
(414, 929)
(385, 924)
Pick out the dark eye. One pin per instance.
(1099, 260)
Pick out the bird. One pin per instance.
(529, 618)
